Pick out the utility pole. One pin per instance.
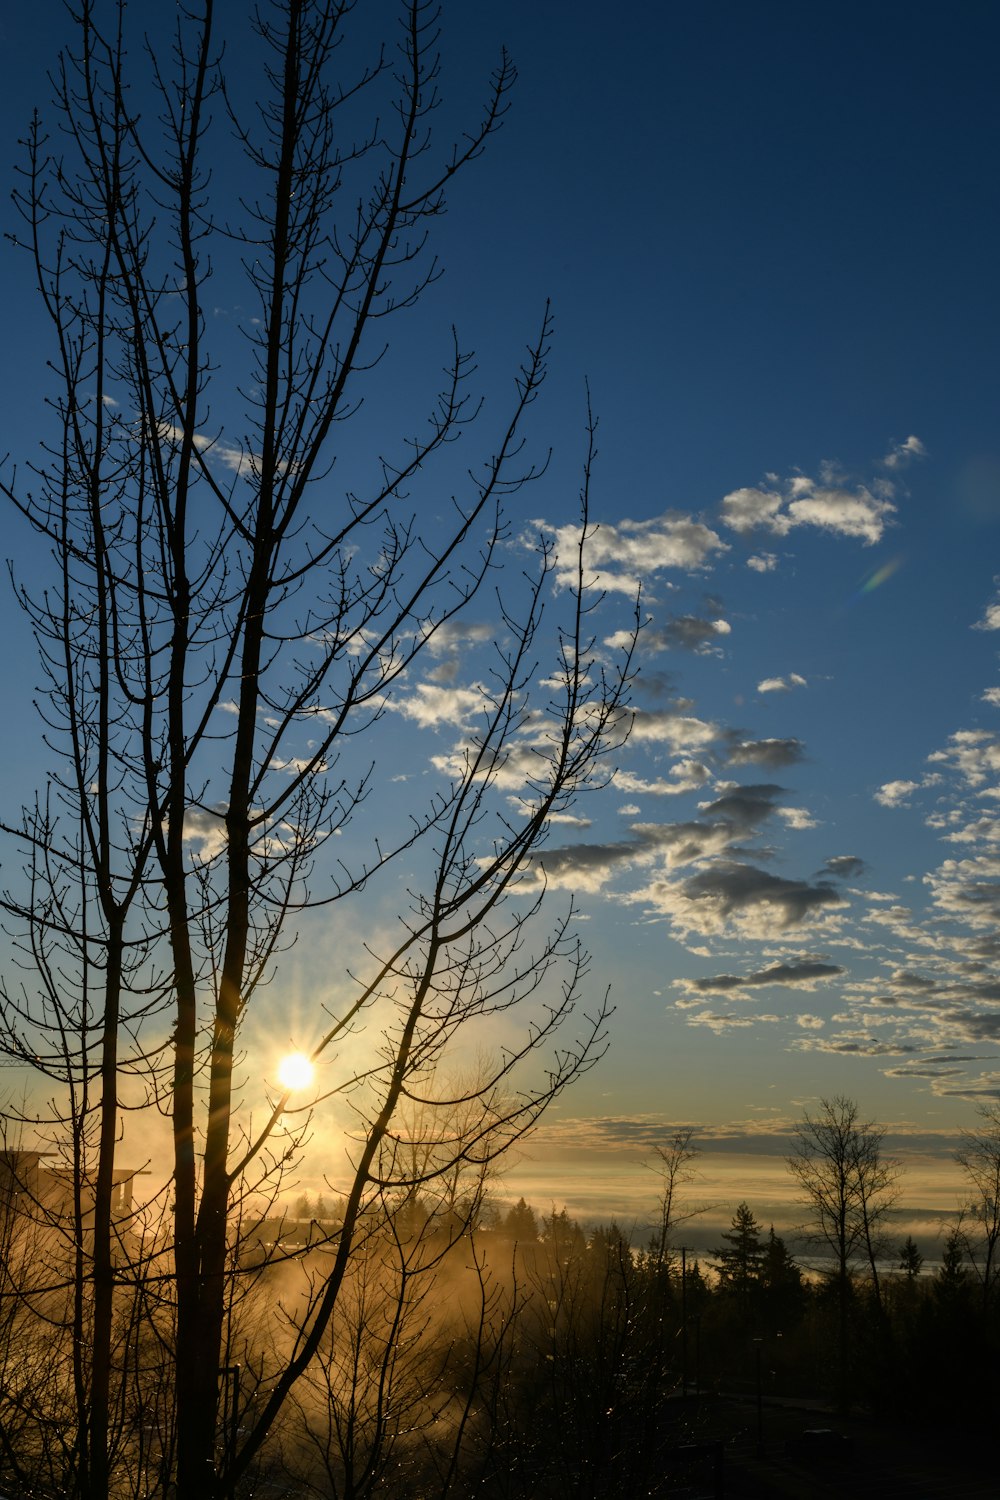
(684, 1325)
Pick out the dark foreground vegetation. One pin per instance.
(511, 1355)
(535, 1360)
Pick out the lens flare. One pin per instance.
(875, 579)
(881, 575)
(295, 1072)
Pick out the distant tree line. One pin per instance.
(497, 1350)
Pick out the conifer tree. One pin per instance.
(910, 1258)
(520, 1222)
(739, 1262)
(781, 1283)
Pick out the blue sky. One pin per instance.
(769, 234)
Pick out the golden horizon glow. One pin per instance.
(295, 1072)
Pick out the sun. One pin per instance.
(295, 1071)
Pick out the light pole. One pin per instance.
(684, 1326)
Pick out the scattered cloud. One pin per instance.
(973, 753)
(752, 902)
(901, 454)
(684, 776)
(681, 632)
(781, 684)
(451, 634)
(975, 1026)
(991, 617)
(859, 1047)
(590, 866)
(968, 890)
(743, 807)
(858, 513)
(621, 555)
(233, 457)
(762, 562)
(725, 822)
(772, 753)
(431, 705)
(295, 765)
(205, 830)
(895, 793)
(520, 766)
(844, 866)
(680, 732)
(797, 819)
(802, 972)
(525, 809)
(724, 1022)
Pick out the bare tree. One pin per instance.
(225, 618)
(675, 1167)
(979, 1226)
(849, 1186)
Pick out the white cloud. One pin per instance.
(797, 818)
(235, 459)
(205, 830)
(685, 776)
(228, 454)
(619, 556)
(570, 820)
(899, 921)
(981, 830)
(991, 619)
(431, 705)
(903, 453)
(969, 890)
(521, 765)
(680, 732)
(810, 1023)
(781, 684)
(296, 765)
(800, 501)
(992, 696)
(973, 753)
(762, 562)
(895, 793)
(751, 509)
(859, 514)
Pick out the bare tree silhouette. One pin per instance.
(227, 626)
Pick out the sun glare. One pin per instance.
(295, 1071)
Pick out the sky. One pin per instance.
(769, 234)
